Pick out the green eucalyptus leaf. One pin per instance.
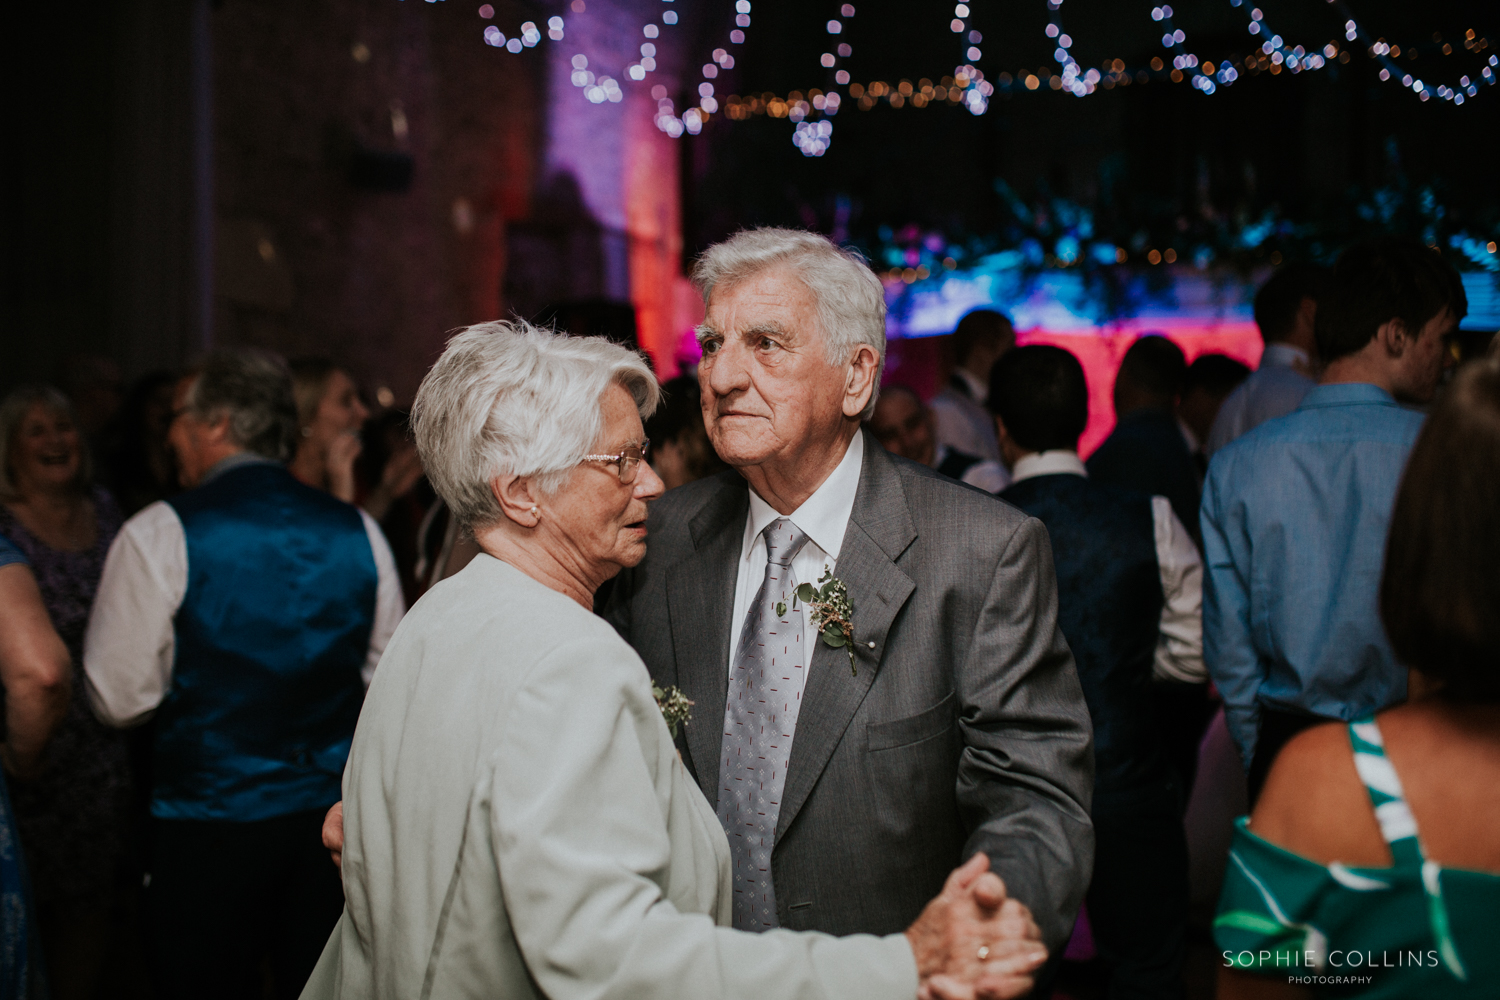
(780, 608)
(806, 592)
(834, 630)
(830, 639)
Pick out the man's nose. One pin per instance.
(728, 371)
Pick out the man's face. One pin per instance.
(768, 389)
(903, 426)
(1421, 365)
(192, 439)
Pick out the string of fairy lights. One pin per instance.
(812, 111)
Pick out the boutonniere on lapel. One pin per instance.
(831, 613)
(676, 707)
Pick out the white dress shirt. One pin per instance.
(130, 647)
(1179, 643)
(983, 474)
(961, 420)
(1273, 390)
(824, 516)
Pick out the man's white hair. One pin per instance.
(507, 397)
(850, 300)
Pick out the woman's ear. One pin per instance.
(514, 495)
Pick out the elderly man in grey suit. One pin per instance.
(852, 772)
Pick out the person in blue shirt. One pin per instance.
(1295, 512)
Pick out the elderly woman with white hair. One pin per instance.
(517, 822)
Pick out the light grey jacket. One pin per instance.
(964, 729)
(518, 824)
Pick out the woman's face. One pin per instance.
(600, 521)
(339, 411)
(45, 453)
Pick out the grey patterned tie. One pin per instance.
(759, 721)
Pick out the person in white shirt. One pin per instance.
(904, 426)
(244, 617)
(1285, 308)
(963, 424)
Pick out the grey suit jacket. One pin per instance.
(965, 728)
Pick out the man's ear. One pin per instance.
(1394, 337)
(517, 501)
(859, 384)
(218, 429)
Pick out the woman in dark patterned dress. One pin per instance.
(74, 814)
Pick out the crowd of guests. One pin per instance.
(198, 587)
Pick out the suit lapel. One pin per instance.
(700, 603)
(880, 529)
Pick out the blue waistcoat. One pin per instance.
(1109, 602)
(271, 635)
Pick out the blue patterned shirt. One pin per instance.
(1294, 520)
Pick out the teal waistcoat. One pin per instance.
(271, 635)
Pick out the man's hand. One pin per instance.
(972, 943)
(333, 833)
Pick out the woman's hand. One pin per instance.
(342, 451)
(972, 943)
(333, 834)
(402, 470)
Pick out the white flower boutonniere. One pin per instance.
(831, 612)
(676, 707)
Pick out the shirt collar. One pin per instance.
(1347, 394)
(1279, 355)
(978, 390)
(234, 461)
(1048, 463)
(825, 514)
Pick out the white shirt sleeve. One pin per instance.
(1179, 644)
(130, 644)
(390, 605)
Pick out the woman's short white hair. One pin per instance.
(851, 301)
(507, 397)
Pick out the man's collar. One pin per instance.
(825, 514)
(1347, 394)
(1279, 355)
(1048, 463)
(234, 461)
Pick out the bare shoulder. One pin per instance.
(1314, 804)
(1447, 756)
(1448, 760)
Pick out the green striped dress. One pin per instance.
(1415, 929)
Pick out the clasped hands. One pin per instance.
(972, 942)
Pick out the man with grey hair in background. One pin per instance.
(245, 616)
(924, 706)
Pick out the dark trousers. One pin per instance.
(1138, 899)
(228, 902)
(1183, 711)
(1277, 727)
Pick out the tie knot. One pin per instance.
(783, 541)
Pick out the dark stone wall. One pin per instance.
(369, 155)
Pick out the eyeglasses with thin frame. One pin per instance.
(626, 463)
